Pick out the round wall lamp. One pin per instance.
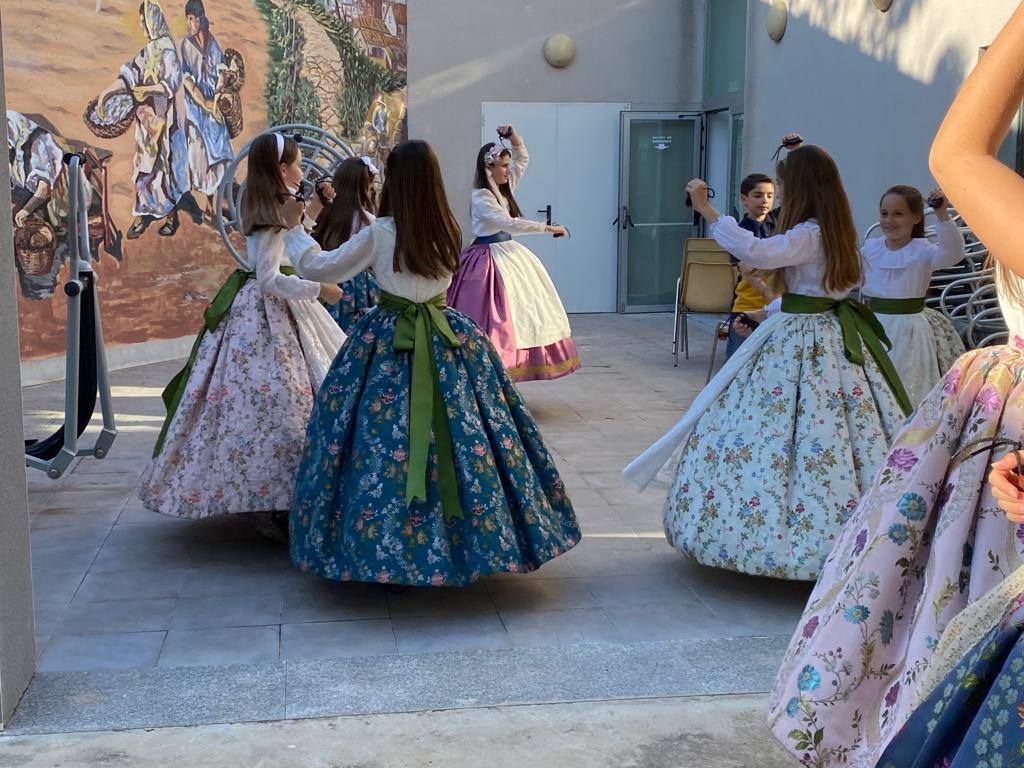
(882, 5)
(559, 50)
(778, 15)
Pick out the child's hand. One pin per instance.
(740, 328)
(697, 189)
(1004, 478)
(942, 212)
(291, 212)
(745, 269)
(330, 293)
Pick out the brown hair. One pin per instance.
(814, 190)
(429, 240)
(352, 182)
(915, 202)
(264, 185)
(751, 181)
(480, 182)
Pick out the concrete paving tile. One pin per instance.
(327, 601)
(337, 639)
(224, 645)
(450, 633)
(116, 616)
(547, 628)
(442, 601)
(80, 653)
(540, 595)
(236, 611)
(131, 585)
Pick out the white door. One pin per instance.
(574, 168)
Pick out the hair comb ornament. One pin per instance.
(369, 164)
(493, 155)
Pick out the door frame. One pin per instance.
(622, 220)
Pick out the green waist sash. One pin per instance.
(860, 327)
(414, 332)
(212, 317)
(894, 306)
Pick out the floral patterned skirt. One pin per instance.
(974, 717)
(358, 296)
(350, 520)
(774, 466)
(235, 441)
(925, 541)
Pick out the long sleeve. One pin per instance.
(489, 212)
(343, 263)
(520, 162)
(266, 250)
(801, 245)
(949, 250)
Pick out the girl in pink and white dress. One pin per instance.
(501, 284)
(237, 413)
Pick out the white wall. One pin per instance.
(465, 52)
(871, 88)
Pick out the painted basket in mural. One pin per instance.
(119, 112)
(35, 245)
(230, 81)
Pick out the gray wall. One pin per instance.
(871, 88)
(17, 637)
(465, 52)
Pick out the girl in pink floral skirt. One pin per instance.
(237, 413)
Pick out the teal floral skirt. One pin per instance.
(358, 296)
(350, 520)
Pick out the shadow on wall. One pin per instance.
(853, 95)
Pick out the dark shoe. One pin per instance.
(188, 204)
(140, 225)
(170, 226)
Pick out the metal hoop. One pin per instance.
(322, 153)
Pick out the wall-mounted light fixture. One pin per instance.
(559, 50)
(882, 5)
(778, 15)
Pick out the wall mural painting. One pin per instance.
(158, 96)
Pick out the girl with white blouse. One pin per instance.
(780, 445)
(501, 284)
(237, 412)
(422, 464)
(898, 268)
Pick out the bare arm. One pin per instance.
(963, 156)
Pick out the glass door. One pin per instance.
(660, 154)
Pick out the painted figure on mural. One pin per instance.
(153, 77)
(38, 204)
(39, 201)
(209, 143)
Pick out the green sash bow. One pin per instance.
(212, 317)
(414, 332)
(894, 306)
(860, 327)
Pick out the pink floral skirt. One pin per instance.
(925, 541)
(235, 441)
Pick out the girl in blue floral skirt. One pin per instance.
(350, 210)
(422, 465)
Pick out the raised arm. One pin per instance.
(337, 266)
(948, 251)
(963, 158)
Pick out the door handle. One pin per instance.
(625, 219)
(547, 214)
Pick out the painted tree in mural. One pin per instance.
(291, 96)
